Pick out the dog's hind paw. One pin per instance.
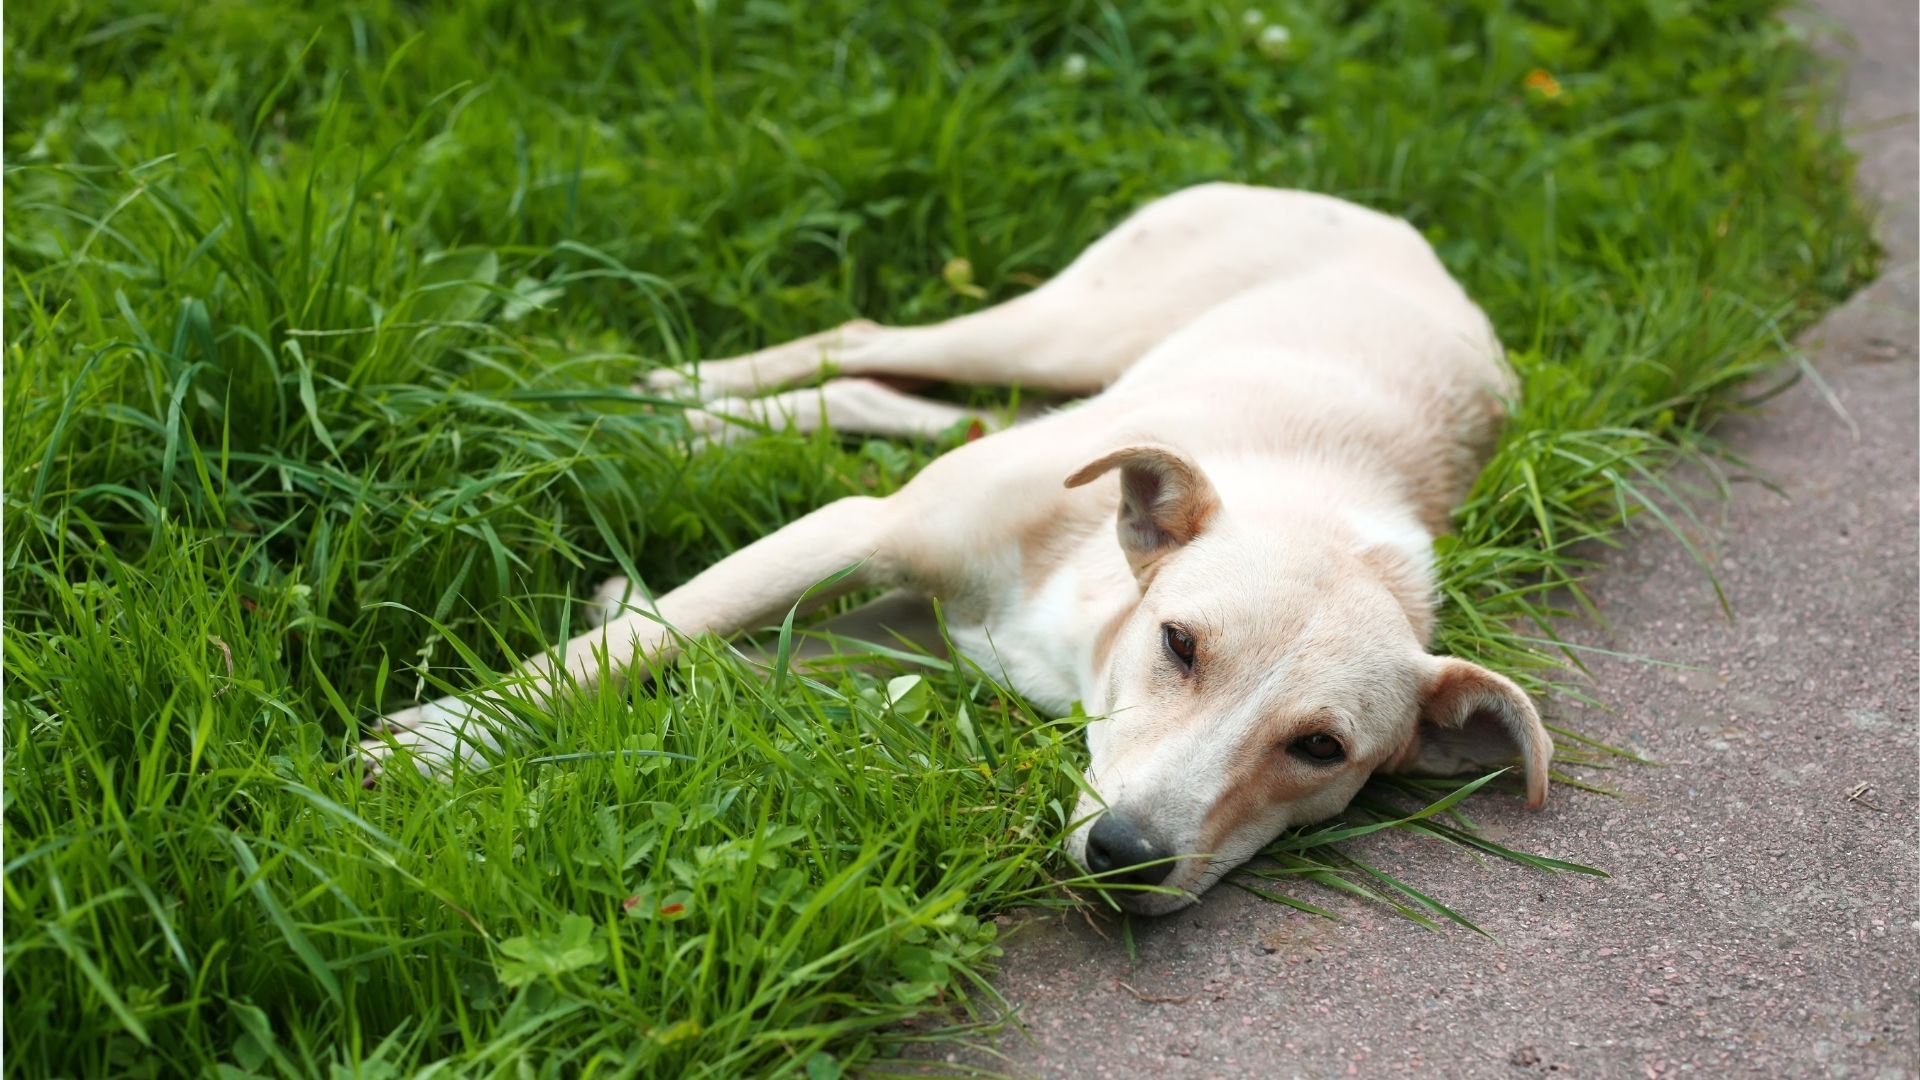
(668, 383)
(725, 421)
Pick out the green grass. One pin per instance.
(319, 319)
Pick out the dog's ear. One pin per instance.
(1471, 718)
(1165, 500)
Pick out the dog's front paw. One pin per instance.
(437, 737)
(615, 597)
(377, 753)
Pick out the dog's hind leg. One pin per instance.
(1156, 272)
(753, 585)
(1073, 335)
(1019, 342)
(857, 406)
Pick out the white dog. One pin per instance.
(1224, 553)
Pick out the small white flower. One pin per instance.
(1252, 17)
(1074, 67)
(1274, 40)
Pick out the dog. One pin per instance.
(1224, 552)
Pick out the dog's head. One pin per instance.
(1271, 666)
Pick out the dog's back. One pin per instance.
(1366, 361)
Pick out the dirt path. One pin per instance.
(1758, 920)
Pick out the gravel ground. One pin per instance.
(1757, 920)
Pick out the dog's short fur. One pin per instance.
(1289, 396)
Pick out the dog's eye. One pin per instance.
(1179, 644)
(1319, 748)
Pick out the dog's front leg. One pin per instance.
(753, 585)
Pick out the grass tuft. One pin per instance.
(320, 323)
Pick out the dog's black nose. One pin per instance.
(1116, 843)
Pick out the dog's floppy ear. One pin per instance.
(1165, 500)
(1471, 718)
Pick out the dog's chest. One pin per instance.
(1035, 642)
